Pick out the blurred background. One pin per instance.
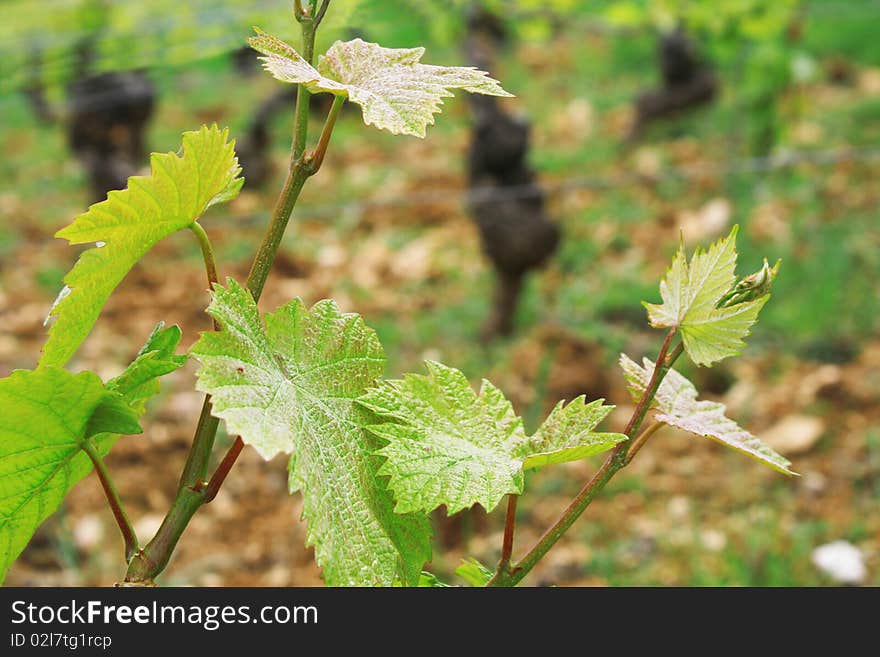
(515, 243)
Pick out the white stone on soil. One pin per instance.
(841, 561)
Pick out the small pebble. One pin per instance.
(841, 561)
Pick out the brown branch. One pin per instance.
(223, 469)
(509, 528)
(639, 442)
(615, 461)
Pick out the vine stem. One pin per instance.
(509, 528)
(316, 159)
(323, 10)
(203, 440)
(639, 442)
(262, 264)
(193, 492)
(661, 366)
(223, 469)
(615, 461)
(115, 501)
(207, 252)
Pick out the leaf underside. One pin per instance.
(129, 222)
(47, 414)
(690, 292)
(395, 91)
(448, 445)
(676, 404)
(291, 387)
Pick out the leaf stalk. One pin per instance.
(615, 461)
(223, 469)
(639, 442)
(509, 528)
(207, 252)
(114, 499)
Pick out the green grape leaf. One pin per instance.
(395, 91)
(291, 387)
(140, 380)
(129, 222)
(474, 573)
(112, 415)
(448, 445)
(431, 581)
(46, 414)
(693, 294)
(567, 434)
(676, 404)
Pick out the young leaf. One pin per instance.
(447, 445)
(692, 295)
(430, 581)
(45, 415)
(140, 380)
(567, 434)
(474, 573)
(395, 92)
(129, 222)
(291, 387)
(677, 405)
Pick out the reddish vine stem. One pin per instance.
(661, 366)
(223, 469)
(639, 442)
(297, 176)
(193, 491)
(511, 576)
(509, 528)
(322, 11)
(316, 158)
(115, 501)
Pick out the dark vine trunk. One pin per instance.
(107, 124)
(106, 119)
(505, 200)
(254, 147)
(688, 82)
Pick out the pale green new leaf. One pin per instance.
(567, 434)
(395, 91)
(46, 414)
(676, 404)
(291, 387)
(448, 445)
(140, 380)
(691, 293)
(129, 222)
(474, 573)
